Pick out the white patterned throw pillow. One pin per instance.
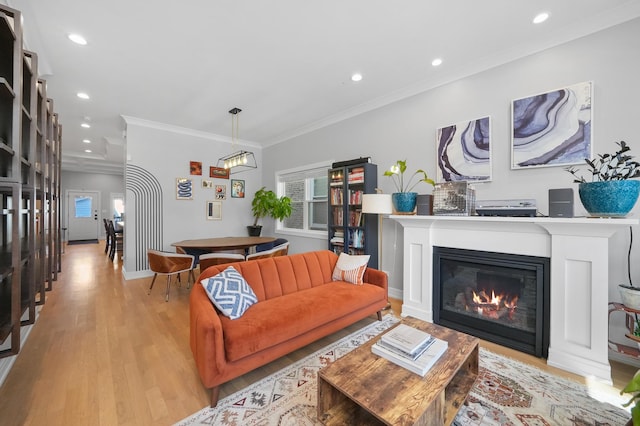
(230, 292)
(350, 268)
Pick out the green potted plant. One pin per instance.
(633, 387)
(609, 192)
(404, 201)
(266, 203)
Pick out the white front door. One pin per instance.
(82, 210)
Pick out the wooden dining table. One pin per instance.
(222, 243)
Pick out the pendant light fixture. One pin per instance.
(237, 161)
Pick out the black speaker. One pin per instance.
(561, 202)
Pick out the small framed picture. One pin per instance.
(214, 210)
(184, 189)
(237, 188)
(218, 172)
(207, 183)
(195, 168)
(221, 192)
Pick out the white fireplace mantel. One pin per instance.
(579, 253)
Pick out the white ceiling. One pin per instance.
(285, 63)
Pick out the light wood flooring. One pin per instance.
(103, 352)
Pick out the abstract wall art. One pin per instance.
(464, 151)
(184, 189)
(214, 210)
(552, 128)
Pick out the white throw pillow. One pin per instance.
(230, 292)
(350, 268)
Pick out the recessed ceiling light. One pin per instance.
(540, 18)
(82, 95)
(436, 62)
(85, 125)
(356, 77)
(77, 39)
(87, 150)
(86, 141)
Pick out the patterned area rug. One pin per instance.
(507, 392)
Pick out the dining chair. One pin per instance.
(116, 241)
(107, 244)
(281, 250)
(169, 264)
(211, 259)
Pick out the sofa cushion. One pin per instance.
(229, 292)
(273, 321)
(350, 268)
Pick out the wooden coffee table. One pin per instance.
(362, 388)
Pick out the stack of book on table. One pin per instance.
(413, 349)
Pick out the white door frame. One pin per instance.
(96, 210)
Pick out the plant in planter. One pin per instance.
(266, 203)
(633, 387)
(404, 201)
(610, 192)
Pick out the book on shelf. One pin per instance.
(405, 338)
(420, 365)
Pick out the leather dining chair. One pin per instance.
(281, 250)
(116, 240)
(169, 264)
(107, 244)
(211, 259)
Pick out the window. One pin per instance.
(83, 207)
(307, 188)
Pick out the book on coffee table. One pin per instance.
(411, 356)
(405, 338)
(421, 364)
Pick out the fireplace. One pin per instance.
(499, 297)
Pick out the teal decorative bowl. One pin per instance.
(614, 198)
(404, 202)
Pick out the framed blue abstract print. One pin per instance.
(552, 128)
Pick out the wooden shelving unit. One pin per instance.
(30, 142)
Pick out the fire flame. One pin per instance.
(496, 300)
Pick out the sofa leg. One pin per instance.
(215, 393)
(379, 315)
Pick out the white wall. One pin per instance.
(105, 184)
(165, 152)
(406, 130)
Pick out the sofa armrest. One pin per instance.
(206, 336)
(376, 277)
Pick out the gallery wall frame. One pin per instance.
(195, 168)
(207, 183)
(218, 172)
(184, 189)
(237, 188)
(221, 192)
(214, 210)
(553, 128)
(464, 151)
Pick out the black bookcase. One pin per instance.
(350, 230)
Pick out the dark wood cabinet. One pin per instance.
(350, 230)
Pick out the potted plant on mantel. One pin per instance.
(404, 201)
(266, 203)
(611, 193)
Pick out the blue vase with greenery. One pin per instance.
(610, 193)
(404, 201)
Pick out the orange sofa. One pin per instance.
(298, 303)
